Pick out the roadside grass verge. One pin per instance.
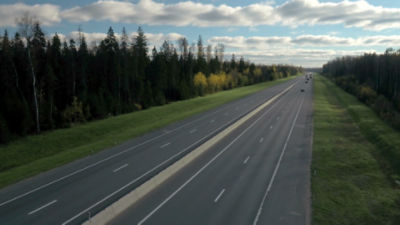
(38, 153)
(350, 182)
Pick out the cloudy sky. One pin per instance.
(298, 32)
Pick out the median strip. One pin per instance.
(131, 198)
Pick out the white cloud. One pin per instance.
(305, 40)
(350, 13)
(158, 39)
(47, 14)
(177, 14)
(295, 56)
(62, 37)
(301, 50)
(322, 40)
(91, 38)
(305, 50)
(291, 13)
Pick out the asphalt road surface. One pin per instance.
(259, 174)
(72, 193)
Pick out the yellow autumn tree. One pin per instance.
(213, 81)
(257, 72)
(200, 83)
(222, 81)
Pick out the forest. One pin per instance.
(373, 78)
(50, 83)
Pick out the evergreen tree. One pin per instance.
(141, 62)
(124, 94)
(201, 61)
(52, 84)
(14, 107)
(242, 65)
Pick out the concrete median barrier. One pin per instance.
(135, 195)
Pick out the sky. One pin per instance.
(304, 33)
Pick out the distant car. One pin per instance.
(302, 90)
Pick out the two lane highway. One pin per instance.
(259, 174)
(74, 192)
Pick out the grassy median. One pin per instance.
(34, 154)
(352, 180)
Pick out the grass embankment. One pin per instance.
(352, 179)
(34, 154)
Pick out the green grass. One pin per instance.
(350, 184)
(34, 154)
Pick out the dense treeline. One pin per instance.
(374, 79)
(48, 84)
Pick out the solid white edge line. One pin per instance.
(105, 159)
(148, 172)
(77, 171)
(136, 179)
(42, 207)
(120, 168)
(277, 166)
(155, 168)
(203, 168)
(219, 195)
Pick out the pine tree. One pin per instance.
(201, 61)
(52, 84)
(141, 62)
(82, 71)
(14, 108)
(233, 62)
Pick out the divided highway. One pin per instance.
(259, 174)
(74, 192)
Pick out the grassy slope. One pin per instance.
(349, 185)
(34, 154)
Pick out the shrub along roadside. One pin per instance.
(376, 75)
(385, 138)
(349, 183)
(34, 154)
(378, 102)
